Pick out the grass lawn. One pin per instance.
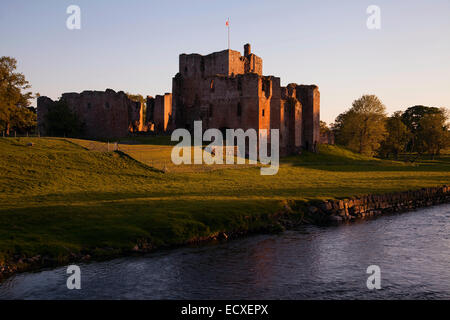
(66, 195)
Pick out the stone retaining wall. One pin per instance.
(372, 205)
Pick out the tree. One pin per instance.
(433, 133)
(61, 121)
(324, 128)
(326, 133)
(13, 98)
(397, 138)
(135, 97)
(411, 118)
(23, 119)
(362, 127)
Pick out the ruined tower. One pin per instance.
(223, 90)
(163, 113)
(228, 90)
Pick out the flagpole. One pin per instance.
(228, 33)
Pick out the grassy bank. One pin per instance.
(61, 197)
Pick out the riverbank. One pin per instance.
(309, 262)
(292, 215)
(61, 203)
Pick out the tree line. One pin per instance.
(365, 128)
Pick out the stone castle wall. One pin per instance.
(308, 97)
(150, 102)
(290, 124)
(243, 101)
(219, 102)
(226, 62)
(162, 112)
(43, 104)
(105, 114)
(327, 137)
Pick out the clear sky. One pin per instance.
(133, 45)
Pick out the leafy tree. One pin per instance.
(13, 98)
(23, 119)
(397, 138)
(135, 97)
(411, 118)
(326, 133)
(433, 133)
(362, 127)
(61, 121)
(324, 128)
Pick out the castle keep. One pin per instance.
(223, 90)
(227, 90)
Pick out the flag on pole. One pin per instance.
(228, 26)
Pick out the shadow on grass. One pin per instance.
(338, 159)
(138, 163)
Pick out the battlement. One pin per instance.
(226, 62)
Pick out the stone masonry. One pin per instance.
(105, 114)
(162, 116)
(226, 90)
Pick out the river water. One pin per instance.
(411, 249)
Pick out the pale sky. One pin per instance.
(134, 45)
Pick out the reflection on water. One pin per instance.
(412, 250)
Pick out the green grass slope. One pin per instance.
(58, 198)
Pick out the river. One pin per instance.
(411, 249)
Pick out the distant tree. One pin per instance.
(13, 98)
(135, 97)
(326, 133)
(411, 118)
(61, 121)
(324, 129)
(362, 127)
(397, 137)
(433, 133)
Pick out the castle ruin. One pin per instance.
(105, 114)
(223, 90)
(227, 90)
